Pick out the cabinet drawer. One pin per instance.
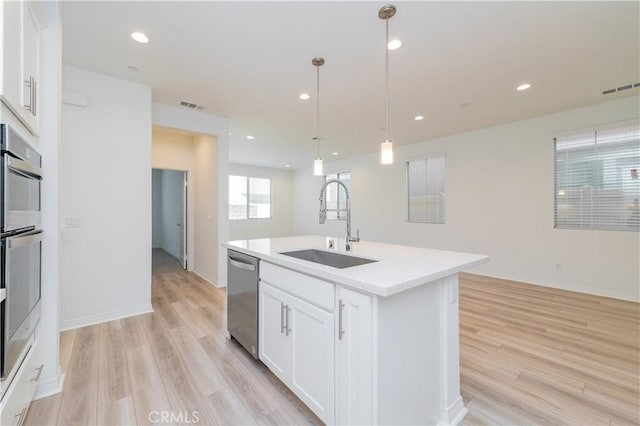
(313, 290)
(15, 402)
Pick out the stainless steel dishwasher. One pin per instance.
(242, 299)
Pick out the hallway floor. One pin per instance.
(163, 262)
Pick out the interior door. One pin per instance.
(182, 226)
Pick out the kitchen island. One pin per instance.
(375, 343)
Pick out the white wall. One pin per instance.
(206, 124)
(207, 241)
(167, 196)
(281, 222)
(105, 180)
(499, 186)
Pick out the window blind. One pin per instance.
(596, 179)
(425, 180)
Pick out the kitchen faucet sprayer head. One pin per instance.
(323, 216)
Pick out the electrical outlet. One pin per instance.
(332, 243)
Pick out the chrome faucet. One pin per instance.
(323, 211)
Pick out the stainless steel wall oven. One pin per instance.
(21, 247)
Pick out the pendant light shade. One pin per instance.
(386, 147)
(317, 163)
(317, 167)
(386, 152)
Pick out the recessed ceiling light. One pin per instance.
(334, 153)
(132, 68)
(418, 117)
(394, 44)
(287, 165)
(140, 37)
(304, 96)
(522, 87)
(250, 137)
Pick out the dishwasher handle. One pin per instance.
(242, 265)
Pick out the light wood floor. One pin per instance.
(529, 356)
(176, 359)
(535, 355)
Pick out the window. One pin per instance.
(596, 179)
(425, 180)
(249, 198)
(336, 196)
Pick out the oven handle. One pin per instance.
(20, 241)
(24, 168)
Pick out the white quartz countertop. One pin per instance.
(398, 268)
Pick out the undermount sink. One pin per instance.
(335, 260)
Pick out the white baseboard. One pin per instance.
(105, 317)
(630, 296)
(454, 414)
(50, 386)
(207, 280)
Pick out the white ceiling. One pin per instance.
(249, 61)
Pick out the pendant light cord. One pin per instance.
(386, 48)
(318, 111)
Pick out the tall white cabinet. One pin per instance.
(19, 95)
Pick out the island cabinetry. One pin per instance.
(296, 336)
(357, 358)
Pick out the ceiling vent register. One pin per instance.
(621, 88)
(191, 105)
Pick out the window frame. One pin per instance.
(248, 178)
(594, 224)
(407, 194)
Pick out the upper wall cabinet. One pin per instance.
(20, 61)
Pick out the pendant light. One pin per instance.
(317, 163)
(386, 147)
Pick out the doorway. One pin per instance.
(169, 220)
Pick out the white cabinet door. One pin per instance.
(30, 64)
(274, 342)
(354, 363)
(12, 54)
(313, 353)
(21, 61)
